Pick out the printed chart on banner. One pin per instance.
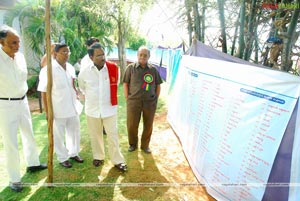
(230, 128)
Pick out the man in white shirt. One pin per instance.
(14, 109)
(64, 100)
(86, 60)
(99, 84)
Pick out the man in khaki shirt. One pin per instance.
(141, 88)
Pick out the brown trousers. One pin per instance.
(136, 108)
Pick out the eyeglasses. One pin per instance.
(101, 56)
(65, 52)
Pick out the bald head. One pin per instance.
(143, 56)
(144, 48)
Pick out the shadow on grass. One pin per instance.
(144, 177)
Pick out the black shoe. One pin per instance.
(16, 186)
(66, 164)
(104, 132)
(147, 150)
(78, 159)
(36, 168)
(131, 148)
(97, 163)
(122, 167)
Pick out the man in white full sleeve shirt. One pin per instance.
(99, 84)
(86, 60)
(14, 109)
(64, 100)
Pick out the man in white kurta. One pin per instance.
(14, 109)
(99, 86)
(66, 118)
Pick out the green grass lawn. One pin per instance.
(84, 181)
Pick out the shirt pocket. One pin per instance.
(90, 84)
(59, 82)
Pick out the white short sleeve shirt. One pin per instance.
(63, 93)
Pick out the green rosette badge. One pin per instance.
(148, 79)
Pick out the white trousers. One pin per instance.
(95, 128)
(66, 129)
(15, 115)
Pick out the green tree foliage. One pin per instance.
(264, 32)
(31, 15)
(120, 13)
(135, 41)
(74, 21)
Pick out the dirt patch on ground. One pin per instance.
(35, 105)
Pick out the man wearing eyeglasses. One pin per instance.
(64, 101)
(86, 60)
(99, 84)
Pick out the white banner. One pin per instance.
(230, 119)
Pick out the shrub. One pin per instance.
(32, 86)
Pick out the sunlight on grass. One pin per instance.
(34, 189)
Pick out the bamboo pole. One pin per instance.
(49, 93)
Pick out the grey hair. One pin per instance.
(144, 48)
(4, 29)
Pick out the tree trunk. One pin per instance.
(202, 38)
(242, 31)
(235, 34)
(197, 22)
(189, 20)
(256, 47)
(286, 62)
(250, 33)
(223, 27)
(121, 47)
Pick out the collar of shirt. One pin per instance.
(94, 67)
(57, 65)
(137, 65)
(4, 55)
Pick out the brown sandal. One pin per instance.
(97, 163)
